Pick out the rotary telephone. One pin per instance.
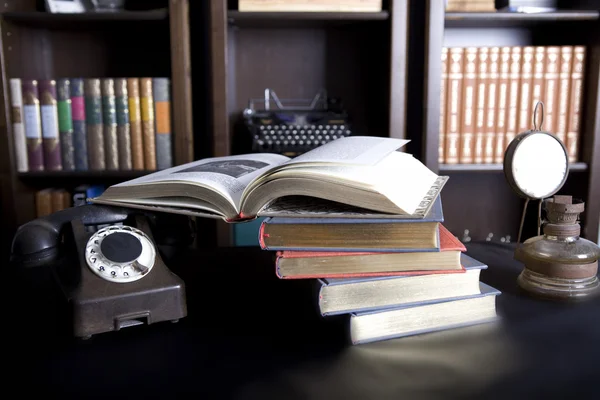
(107, 264)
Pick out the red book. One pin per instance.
(325, 264)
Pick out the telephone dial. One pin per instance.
(106, 261)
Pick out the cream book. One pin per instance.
(418, 319)
(358, 294)
(357, 176)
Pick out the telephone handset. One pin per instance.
(113, 277)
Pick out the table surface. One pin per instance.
(251, 335)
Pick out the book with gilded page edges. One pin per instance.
(361, 294)
(326, 234)
(407, 257)
(355, 176)
(419, 318)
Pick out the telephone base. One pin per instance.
(98, 305)
(112, 312)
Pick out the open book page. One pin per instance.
(353, 150)
(228, 176)
(401, 178)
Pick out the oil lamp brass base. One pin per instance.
(552, 287)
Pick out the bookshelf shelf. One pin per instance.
(507, 19)
(48, 20)
(446, 168)
(306, 19)
(82, 175)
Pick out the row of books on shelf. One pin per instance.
(489, 95)
(51, 200)
(97, 124)
(405, 277)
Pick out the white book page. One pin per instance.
(399, 176)
(226, 175)
(352, 150)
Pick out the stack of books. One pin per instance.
(394, 277)
(361, 218)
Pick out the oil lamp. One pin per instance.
(559, 263)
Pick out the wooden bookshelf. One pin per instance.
(477, 197)
(40, 45)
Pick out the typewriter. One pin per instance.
(293, 127)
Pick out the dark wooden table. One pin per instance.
(251, 335)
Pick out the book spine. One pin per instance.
(65, 124)
(135, 123)
(123, 129)
(537, 91)
(501, 114)
(575, 103)
(513, 95)
(43, 202)
(50, 135)
(148, 120)
(455, 83)
(482, 84)
(551, 89)
(492, 102)
(33, 124)
(468, 112)
(162, 114)
(443, 108)
(564, 92)
(57, 200)
(109, 124)
(20, 143)
(79, 124)
(93, 119)
(526, 83)
(66, 199)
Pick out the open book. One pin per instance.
(353, 176)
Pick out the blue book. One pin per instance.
(340, 296)
(424, 318)
(355, 234)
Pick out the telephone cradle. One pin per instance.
(106, 264)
